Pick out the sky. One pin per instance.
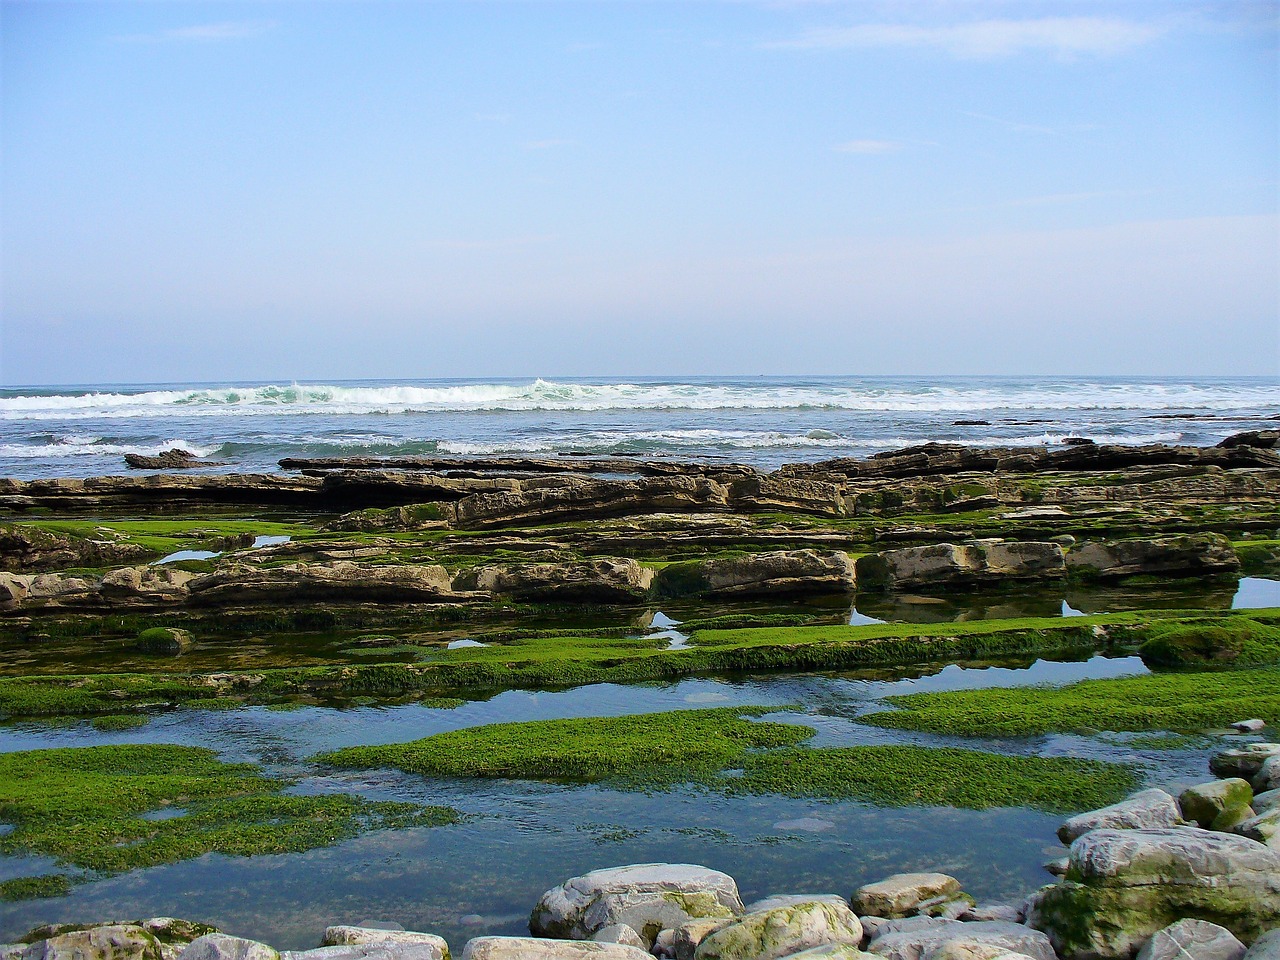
(221, 191)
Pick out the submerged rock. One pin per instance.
(1192, 940)
(648, 897)
(1147, 808)
(903, 893)
(771, 934)
(164, 640)
(1125, 885)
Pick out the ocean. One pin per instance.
(764, 421)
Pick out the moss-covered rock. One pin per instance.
(1123, 886)
(1236, 643)
(1219, 804)
(782, 932)
(164, 640)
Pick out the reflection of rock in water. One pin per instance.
(951, 607)
(1184, 595)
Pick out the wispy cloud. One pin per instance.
(870, 146)
(204, 32)
(992, 39)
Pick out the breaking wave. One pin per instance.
(548, 395)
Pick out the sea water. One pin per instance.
(765, 421)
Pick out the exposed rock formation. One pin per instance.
(759, 574)
(1187, 556)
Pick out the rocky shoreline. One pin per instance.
(1156, 877)
(167, 568)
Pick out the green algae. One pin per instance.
(919, 776)
(558, 661)
(719, 749)
(1243, 642)
(1177, 702)
(586, 749)
(86, 807)
(36, 888)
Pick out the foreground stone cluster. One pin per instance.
(691, 912)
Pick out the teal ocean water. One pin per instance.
(83, 430)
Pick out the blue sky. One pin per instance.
(320, 190)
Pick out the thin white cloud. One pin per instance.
(992, 39)
(204, 32)
(870, 146)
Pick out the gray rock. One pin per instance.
(604, 580)
(1219, 804)
(1058, 866)
(1132, 883)
(220, 946)
(1244, 762)
(1249, 726)
(664, 945)
(949, 563)
(648, 897)
(774, 573)
(1148, 808)
(686, 937)
(12, 951)
(533, 948)
(1192, 940)
(619, 933)
(921, 944)
(343, 935)
(902, 893)
(779, 933)
(110, 942)
(1187, 555)
(791, 900)
(913, 925)
(1267, 800)
(1265, 827)
(306, 583)
(428, 949)
(1266, 947)
(831, 951)
(965, 950)
(993, 911)
(1268, 776)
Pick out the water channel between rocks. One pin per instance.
(484, 875)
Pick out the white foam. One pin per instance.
(869, 395)
(91, 447)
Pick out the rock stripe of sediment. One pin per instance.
(621, 580)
